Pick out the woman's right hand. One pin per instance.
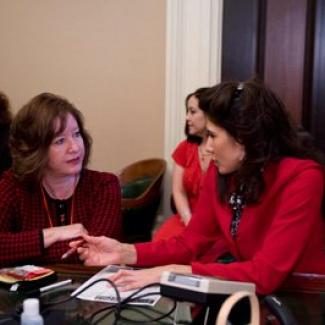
(104, 251)
(62, 233)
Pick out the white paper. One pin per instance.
(103, 292)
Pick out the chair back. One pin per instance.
(141, 193)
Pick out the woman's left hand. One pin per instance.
(133, 279)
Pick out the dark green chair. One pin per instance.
(141, 193)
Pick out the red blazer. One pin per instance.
(281, 234)
(22, 217)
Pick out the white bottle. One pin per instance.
(30, 314)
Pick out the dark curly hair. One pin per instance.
(198, 94)
(32, 132)
(252, 114)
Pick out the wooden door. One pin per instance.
(283, 43)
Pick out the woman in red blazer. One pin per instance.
(261, 201)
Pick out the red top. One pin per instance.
(97, 205)
(283, 233)
(186, 155)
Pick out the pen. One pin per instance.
(55, 285)
(68, 253)
(71, 251)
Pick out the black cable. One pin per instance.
(116, 308)
(162, 316)
(113, 306)
(103, 316)
(121, 317)
(134, 297)
(99, 311)
(123, 306)
(148, 318)
(130, 298)
(16, 314)
(119, 306)
(280, 310)
(118, 296)
(128, 305)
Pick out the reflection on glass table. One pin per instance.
(303, 294)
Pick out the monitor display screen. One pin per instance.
(185, 279)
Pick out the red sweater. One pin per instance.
(283, 233)
(22, 217)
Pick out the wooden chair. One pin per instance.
(141, 193)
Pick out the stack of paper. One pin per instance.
(103, 291)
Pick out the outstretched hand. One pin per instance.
(103, 251)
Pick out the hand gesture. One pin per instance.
(103, 251)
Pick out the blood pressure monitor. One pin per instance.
(199, 289)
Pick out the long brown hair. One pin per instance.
(33, 131)
(252, 114)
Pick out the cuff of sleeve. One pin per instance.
(140, 248)
(202, 269)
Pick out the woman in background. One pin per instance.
(191, 162)
(50, 197)
(261, 198)
(5, 121)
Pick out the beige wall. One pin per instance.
(106, 56)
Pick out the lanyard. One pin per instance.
(46, 206)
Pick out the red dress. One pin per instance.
(185, 155)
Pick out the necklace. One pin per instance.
(237, 204)
(201, 153)
(66, 194)
(204, 158)
(47, 209)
